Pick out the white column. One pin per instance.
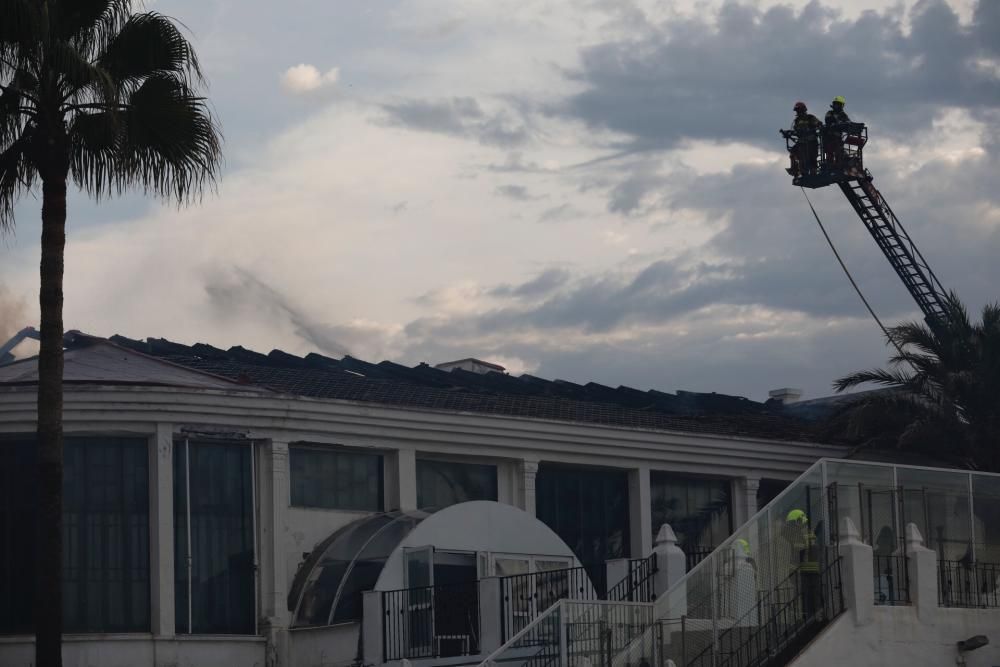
(401, 482)
(490, 635)
(529, 471)
(671, 565)
(161, 531)
(640, 512)
(372, 627)
(750, 487)
(273, 499)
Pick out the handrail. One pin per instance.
(638, 579)
(523, 631)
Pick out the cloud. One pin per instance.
(303, 78)
(542, 284)
(459, 117)
(516, 192)
(733, 74)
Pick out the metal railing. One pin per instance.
(431, 621)
(638, 585)
(963, 584)
(891, 580)
(523, 597)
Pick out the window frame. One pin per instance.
(694, 477)
(471, 461)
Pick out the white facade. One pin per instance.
(269, 423)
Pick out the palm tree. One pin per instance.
(92, 93)
(942, 394)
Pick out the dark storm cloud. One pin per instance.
(737, 79)
(771, 253)
(460, 117)
(544, 283)
(516, 192)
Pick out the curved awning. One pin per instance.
(328, 586)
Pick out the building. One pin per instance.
(205, 487)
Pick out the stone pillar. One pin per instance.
(274, 500)
(640, 512)
(923, 573)
(529, 471)
(856, 573)
(671, 563)
(372, 627)
(161, 531)
(490, 632)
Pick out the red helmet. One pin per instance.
(799, 106)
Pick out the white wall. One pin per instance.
(334, 646)
(895, 637)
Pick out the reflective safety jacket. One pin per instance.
(834, 117)
(806, 126)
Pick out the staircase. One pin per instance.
(745, 605)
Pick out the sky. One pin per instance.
(577, 189)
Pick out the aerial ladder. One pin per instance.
(835, 155)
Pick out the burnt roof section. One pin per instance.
(426, 387)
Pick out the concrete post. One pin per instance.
(161, 532)
(372, 627)
(923, 575)
(615, 571)
(640, 512)
(671, 565)
(529, 471)
(490, 627)
(857, 573)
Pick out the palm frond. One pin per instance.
(85, 22)
(94, 152)
(22, 27)
(16, 177)
(170, 143)
(149, 44)
(877, 376)
(913, 334)
(79, 74)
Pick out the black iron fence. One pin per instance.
(525, 596)
(694, 554)
(891, 580)
(638, 585)
(962, 584)
(431, 621)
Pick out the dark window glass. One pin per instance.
(105, 535)
(588, 509)
(336, 479)
(769, 490)
(17, 536)
(444, 483)
(698, 509)
(221, 551)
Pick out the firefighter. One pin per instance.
(805, 559)
(833, 141)
(805, 128)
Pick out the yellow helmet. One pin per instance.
(839, 98)
(797, 516)
(744, 546)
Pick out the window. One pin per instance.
(335, 479)
(698, 509)
(444, 483)
(105, 535)
(588, 509)
(214, 571)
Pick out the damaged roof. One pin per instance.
(495, 393)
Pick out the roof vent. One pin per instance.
(472, 365)
(786, 395)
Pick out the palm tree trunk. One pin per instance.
(48, 558)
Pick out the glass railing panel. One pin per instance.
(986, 506)
(938, 503)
